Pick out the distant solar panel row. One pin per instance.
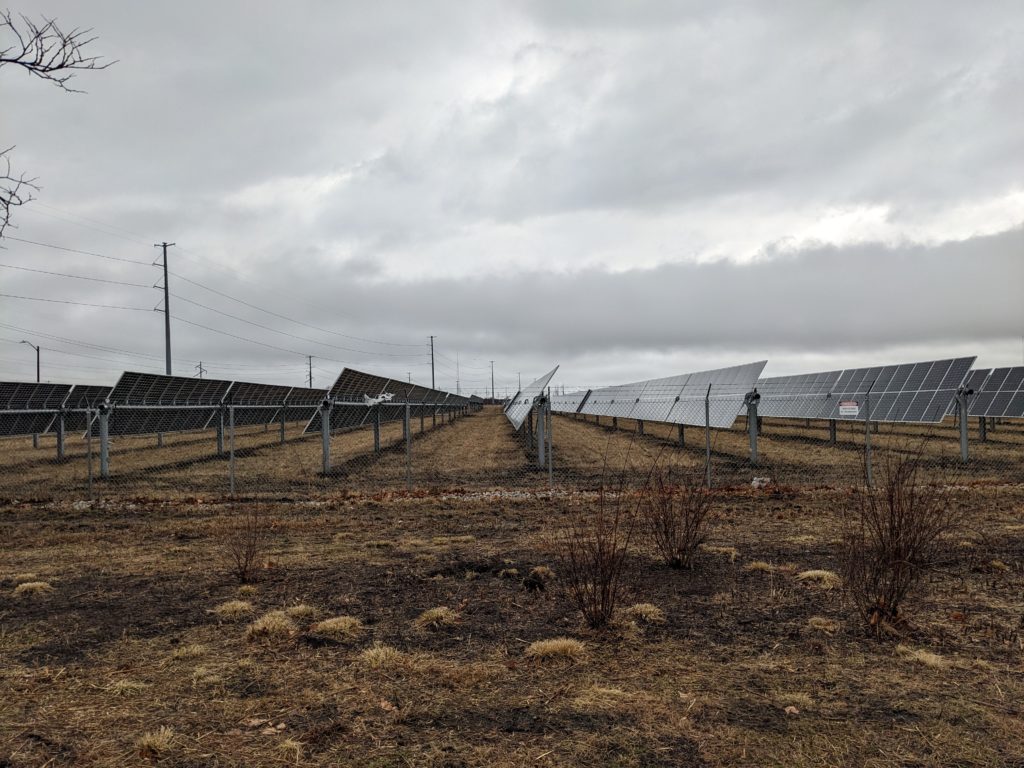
(671, 400)
(349, 391)
(519, 406)
(912, 392)
(1000, 394)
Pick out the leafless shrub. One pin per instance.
(892, 534)
(591, 553)
(677, 514)
(245, 542)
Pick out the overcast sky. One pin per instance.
(628, 190)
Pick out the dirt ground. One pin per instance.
(751, 665)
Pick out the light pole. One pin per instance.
(35, 438)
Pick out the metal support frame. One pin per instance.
(551, 459)
(983, 429)
(284, 418)
(88, 446)
(325, 434)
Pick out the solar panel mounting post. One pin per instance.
(682, 437)
(983, 429)
(231, 449)
(752, 400)
(376, 430)
(868, 476)
(60, 435)
(541, 438)
(408, 449)
(832, 431)
(220, 431)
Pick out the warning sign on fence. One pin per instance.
(849, 408)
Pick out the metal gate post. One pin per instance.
(231, 449)
(752, 423)
(868, 475)
(325, 434)
(541, 439)
(707, 438)
(961, 401)
(104, 441)
(408, 450)
(60, 435)
(376, 430)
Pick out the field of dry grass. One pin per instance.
(394, 629)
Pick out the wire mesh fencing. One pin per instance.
(422, 448)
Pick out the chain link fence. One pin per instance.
(415, 448)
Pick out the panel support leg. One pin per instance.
(983, 429)
(104, 442)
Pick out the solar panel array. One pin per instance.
(1000, 395)
(16, 396)
(519, 406)
(673, 399)
(349, 410)
(146, 403)
(912, 392)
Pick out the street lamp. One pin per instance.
(37, 357)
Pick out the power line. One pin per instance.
(76, 250)
(291, 319)
(292, 335)
(75, 303)
(76, 277)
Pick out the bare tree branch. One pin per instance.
(15, 190)
(45, 50)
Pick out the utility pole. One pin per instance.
(200, 369)
(167, 308)
(37, 357)
(492, 379)
(310, 358)
(432, 385)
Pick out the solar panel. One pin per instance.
(256, 403)
(15, 396)
(679, 399)
(568, 402)
(83, 396)
(197, 400)
(1001, 395)
(520, 406)
(911, 392)
(353, 386)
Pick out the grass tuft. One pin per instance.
(233, 609)
(825, 579)
(190, 651)
(248, 590)
(435, 618)
(125, 687)
(731, 552)
(271, 626)
(339, 628)
(33, 589)
(821, 624)
(923, 657)
(379, 656)
(646, 612)
(301, 612)
(556, 648)
(153, 743)
(761, 566)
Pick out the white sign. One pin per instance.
(849, 408)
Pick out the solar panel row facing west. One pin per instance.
(519, 407)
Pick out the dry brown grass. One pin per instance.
(339, 628)
(761, 566)
(436, 618)
(647, 613)
(233, 609)
(152, 744)
(722, 551)
(820, 577)
(556, 649)
(923, 657)
(33, 589)
(383, 657)
(126, 687)
(189, 651)
(302, 612)
(822, 624)
(275, 625)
